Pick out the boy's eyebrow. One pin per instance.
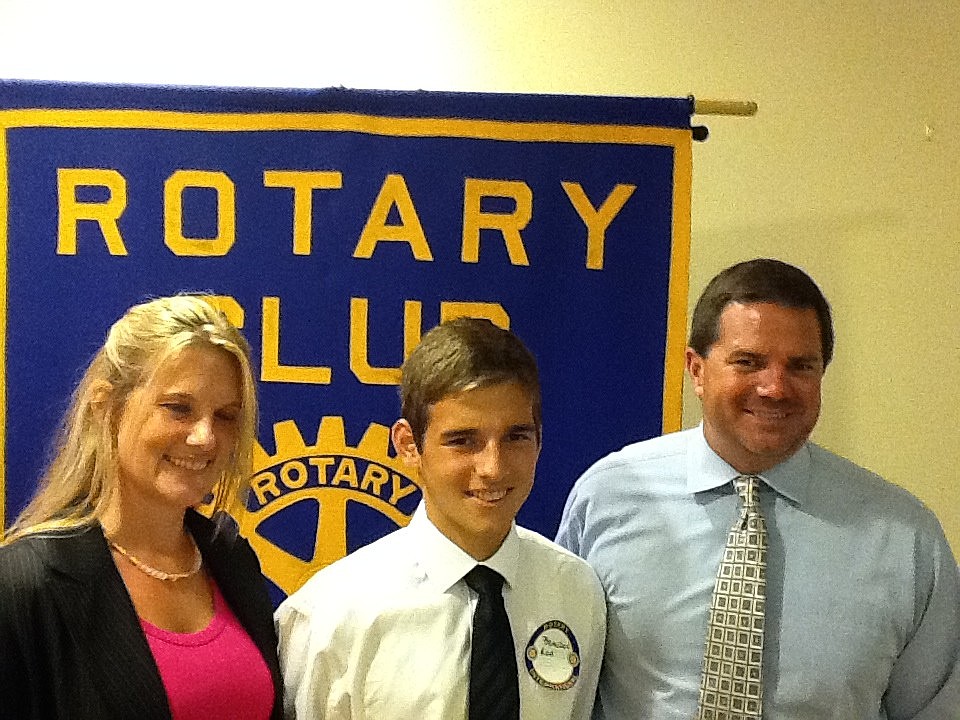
(524, 427)
(521, 427)
(458, 431)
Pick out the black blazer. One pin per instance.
(71, 644)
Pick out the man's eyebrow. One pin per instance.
(744, 352)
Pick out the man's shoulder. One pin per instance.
(864, 490)
(651, 450)
(646, 457)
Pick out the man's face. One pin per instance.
(760, 383)
(476, 463)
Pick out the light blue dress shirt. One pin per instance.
(863, 592)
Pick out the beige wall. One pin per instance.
(850, 169)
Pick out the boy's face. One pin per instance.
(477, 463)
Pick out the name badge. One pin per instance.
(553, 656)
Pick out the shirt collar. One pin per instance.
(442, 563)
(706, 470)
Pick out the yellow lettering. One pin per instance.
(400, 491)
(597, 220)
(346, 473)
(264, 485)
(359, 344)
(293, 474)
(509, 224)
(375, 476)
(270, 368)
(106, 214)
(303, 184)
(173, 188)
(494, 312)
(321, 464)
(229, 307)
(393, 193)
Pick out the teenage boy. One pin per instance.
(409, 626)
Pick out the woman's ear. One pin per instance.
(101, 393)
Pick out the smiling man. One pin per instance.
(750, 572)
(462, 614)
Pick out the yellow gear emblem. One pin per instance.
(331, 474)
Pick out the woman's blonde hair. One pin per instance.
(80, 482)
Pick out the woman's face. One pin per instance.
(177, 433)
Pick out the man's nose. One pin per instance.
(773, 382)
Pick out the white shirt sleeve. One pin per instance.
(313, 685)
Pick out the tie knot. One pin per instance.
(484, 581)
(747, 487)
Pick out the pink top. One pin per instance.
(215, 673)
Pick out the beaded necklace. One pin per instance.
(160, 574)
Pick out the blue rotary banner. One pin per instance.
(336, 226)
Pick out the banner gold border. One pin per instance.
(534, 131)
(4, 188)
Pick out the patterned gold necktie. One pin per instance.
(730, 687)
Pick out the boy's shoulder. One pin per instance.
(363, 571)
(540, 555)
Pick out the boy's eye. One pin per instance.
(177, 408)
(521, 436)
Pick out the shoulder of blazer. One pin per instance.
(77, 554)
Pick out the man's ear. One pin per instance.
(694, 363)
(404, 442)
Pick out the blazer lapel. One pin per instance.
(116, 669)
(233, 564)
(234, 573)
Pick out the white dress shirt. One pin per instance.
(385, 632)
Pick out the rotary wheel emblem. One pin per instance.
(297, 514)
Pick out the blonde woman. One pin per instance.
(117, 599)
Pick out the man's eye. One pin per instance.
(177, 408)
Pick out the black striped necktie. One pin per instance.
(494, 687)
